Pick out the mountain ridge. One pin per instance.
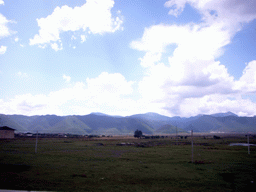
(148, 123)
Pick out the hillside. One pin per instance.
(149, 123)
(169, 129)
(82, 125)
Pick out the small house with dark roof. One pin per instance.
(6, 132)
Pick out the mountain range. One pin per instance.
(148, 123)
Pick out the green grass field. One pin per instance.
(149, 165)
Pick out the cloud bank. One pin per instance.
(96, 94)
(194, 81)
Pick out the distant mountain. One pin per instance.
(224, 114)
(151, 116)
(156, 120)
(95, 123)
(103, 114)
(117, 125)
(17, 122)
(70, 124)
(98, 113)
(169, 129)
(148, 123)
(205, 123)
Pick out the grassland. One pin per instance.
(79, 164)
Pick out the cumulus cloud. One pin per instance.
(94, 17)
(83, 38)
(105, 93)
(217, 103)
(105, 83)
(193, 81)
(27, 104)
(247, 82)
(66, 78)
(3, 49)
(229, 12)
(4, 30)
(56, 47)
(193, 41)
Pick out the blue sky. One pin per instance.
(173, 57)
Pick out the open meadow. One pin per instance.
(128, 164)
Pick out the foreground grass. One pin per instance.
(149, 165)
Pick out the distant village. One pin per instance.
(57, 135)
(9, 133)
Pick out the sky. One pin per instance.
(119, 57)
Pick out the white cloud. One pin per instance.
(28, 104)
(22, 75)
(230, 12)
(94, 16)
(3, 49)
(247, 83)
(56, 47)
(106, 93)
(177, 6)
(83, 38)
(157, 37)
(193, 81)
(192, 40)
(150, 59)
(109, 84)
(217, 103)
(16, 39)
(4, 30)
(66, 78)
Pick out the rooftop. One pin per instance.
(6, 128)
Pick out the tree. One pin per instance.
(138, 133)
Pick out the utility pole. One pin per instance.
(248, 135)
(36, 142)
(192, 146)
(176, 136)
